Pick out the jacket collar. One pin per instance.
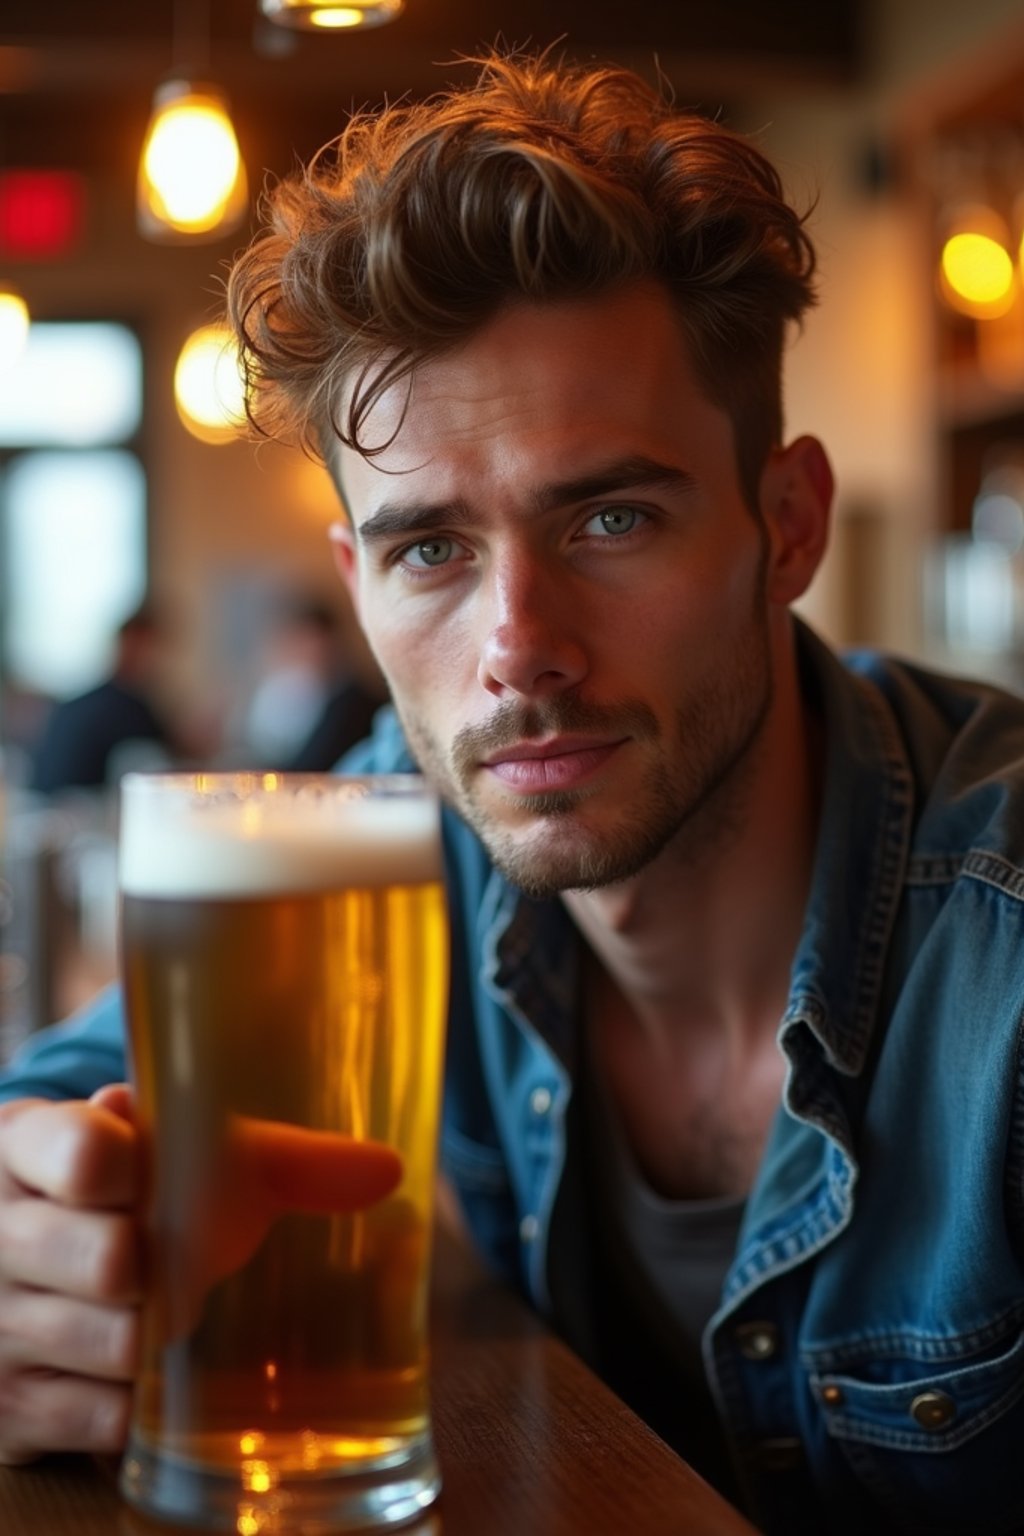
(863, 846)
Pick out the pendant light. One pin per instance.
(191, 181)
(331, 15)
(209, 391)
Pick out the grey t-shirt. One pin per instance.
(634, 1279)
(681, 1248)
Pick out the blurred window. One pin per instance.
(75, 559)
(76, 384)
(72, 503)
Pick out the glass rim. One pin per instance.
(247, 780)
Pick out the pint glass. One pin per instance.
(284, 958)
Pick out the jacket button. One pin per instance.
(529, 1229)
(758, 1340)
(933, 1410)
(831, 1394)
(540, 1100)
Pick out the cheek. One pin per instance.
(423, 658)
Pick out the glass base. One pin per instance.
(366, 1498)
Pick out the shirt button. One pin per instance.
(529, 1229)
(933, 1410)
(758, 1340)
(540, 1100)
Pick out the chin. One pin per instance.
(567, 859)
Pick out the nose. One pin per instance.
(531, 643)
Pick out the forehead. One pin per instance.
(539, 389)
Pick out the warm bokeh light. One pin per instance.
(208, 388)
(975, 269)
(321, 15)
(336, 16)
(13, 326)
(978, 269)
(191, 177)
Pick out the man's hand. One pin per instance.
(69, 1274)
(70, 1250)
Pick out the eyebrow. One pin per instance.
(636, 472)
(633, 473)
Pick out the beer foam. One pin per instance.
(210, 846)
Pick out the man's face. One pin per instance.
(556, 570)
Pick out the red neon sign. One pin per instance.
(42, 214)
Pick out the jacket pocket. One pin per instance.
(942, 1452)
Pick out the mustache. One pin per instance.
(562, 714)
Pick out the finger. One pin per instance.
(77, 1153)
(62, 1413)
(65, 1334)
(118, 1098)
(91, 1254)
(313, 1171)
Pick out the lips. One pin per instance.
(538, 767)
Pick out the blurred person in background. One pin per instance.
(308, 708)
(88, 740)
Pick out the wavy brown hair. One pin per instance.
(541, 181)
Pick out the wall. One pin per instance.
(861, 374)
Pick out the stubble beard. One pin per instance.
(692, 794)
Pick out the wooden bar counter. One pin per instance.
(530, 1443)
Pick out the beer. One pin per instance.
(284, 954)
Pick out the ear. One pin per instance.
(796, 501)
(343, 548)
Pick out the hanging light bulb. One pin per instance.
(975, 268)
(331, 15)
(208, 388)
(192, 180)
(13, 326)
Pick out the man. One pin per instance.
(734, 1087)
(307, 708)
(84, 736)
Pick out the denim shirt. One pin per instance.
(867, 1357)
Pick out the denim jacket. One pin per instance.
(867, 1357)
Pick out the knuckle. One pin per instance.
(50, 1411)
(77, 1154)
(115, 1342)
(110, 1258)
(19, 1235)
(42, 1331)
(106, 1419)
(74, 1152)
(81, 1253)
